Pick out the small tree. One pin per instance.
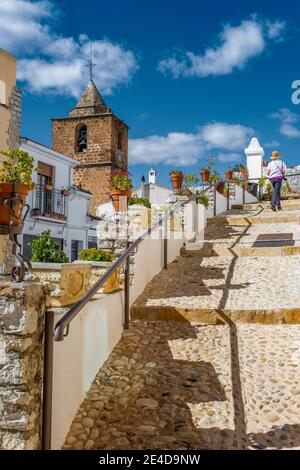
(44, 250)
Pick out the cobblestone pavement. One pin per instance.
(198, 282)
(174, 385)
(170, 385)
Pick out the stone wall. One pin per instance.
(94, 172)
(22, 313)
(15, 109)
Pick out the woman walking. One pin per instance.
(276, 172)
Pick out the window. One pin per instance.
(76, 247)
(81, 138)
(2, 92)
(92, 242)
(120, 141)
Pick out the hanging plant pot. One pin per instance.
(220, 187)
(177, 179)
(229, 174)
(117, 194)
(49, 187)
(205, 174)
(7, 192)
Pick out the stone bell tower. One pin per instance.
(94, 136)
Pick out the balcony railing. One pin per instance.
(50, 203)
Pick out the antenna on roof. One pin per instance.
(90, 64)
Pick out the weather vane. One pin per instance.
(90, 65)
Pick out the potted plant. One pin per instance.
(49, 186)
(203, 199)
(229, 174)
(177, 179)
(15, 180)
(206, 171)
(120, 187)
(190, 179)
(100, 262)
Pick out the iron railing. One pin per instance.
(61, 328)
(50, 203)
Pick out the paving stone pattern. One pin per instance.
(177, 385)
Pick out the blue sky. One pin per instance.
(190, 80)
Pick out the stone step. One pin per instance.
(211, 249)
(273, 218)
(215, 316)
(286, 206)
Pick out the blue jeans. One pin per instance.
(276, 183)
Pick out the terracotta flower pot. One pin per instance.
(8, 191)
(65, 192)
(220, 187)
(229, 174)
(205, 174)
(177, 179)
(48, 187)
(116, 194)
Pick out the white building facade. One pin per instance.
(157, 195)
(56, 204)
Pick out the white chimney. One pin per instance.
(255, 154)
(152, 176)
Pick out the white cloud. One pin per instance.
(226, 136)
(184, 149)
(22, 25)
(289, 130)
(237, 45)
(285, 115)
(58, 65)
(176, 148)
(287, 119)
(229, 157)
(276, 29)
(272, 144)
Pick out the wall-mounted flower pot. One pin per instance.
(48, 187)
(177, 179)
(117, 194)
(229, 174)
(8, 191)
(220, 187)
(205, 174)
(47, 214)
(64, 192)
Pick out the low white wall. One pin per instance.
(221, 203)
(149, 259)
(93, 334)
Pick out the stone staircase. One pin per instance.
(230, 273)
(224, 373)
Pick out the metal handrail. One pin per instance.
(66, 319)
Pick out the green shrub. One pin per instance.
(203, 199)
(44, 250)
(95, 254)
(143, 201)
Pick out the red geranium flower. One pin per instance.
(116, 172)
(124, 172)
